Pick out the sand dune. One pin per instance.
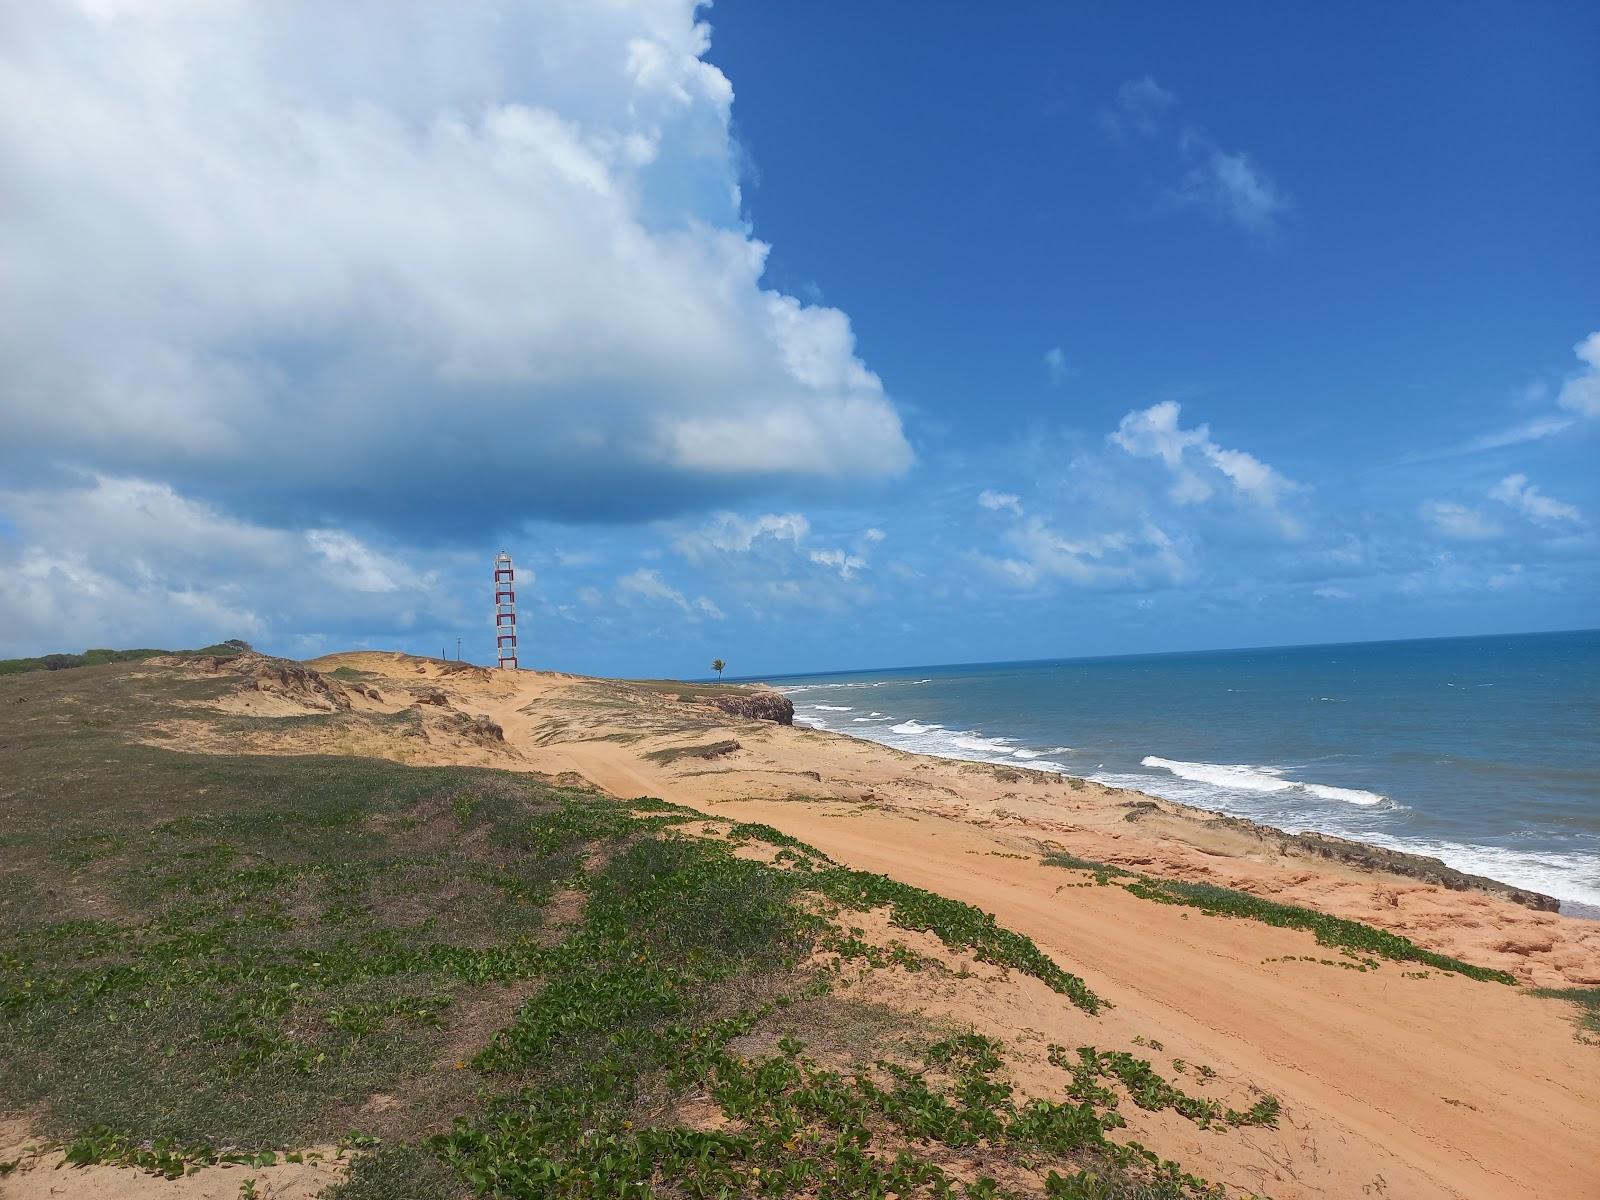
(1395, 1082)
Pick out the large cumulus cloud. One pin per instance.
(402, 263)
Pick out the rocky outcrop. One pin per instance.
(1416, 866)
(755, 704)
(478, 729)
(272, 676)
(465, 670)
(1393, 862)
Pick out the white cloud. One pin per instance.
(729, 533)
(267, 252)
(1578, 399)
(1517, 493)
(646, 584)
(364, 569)
(1348, 553)
(774, 558)
(1460, 522)
(998, 501)
(1229, 185)
(837, 560)
(1581, 393)
(1510, 577)
(1330, 593)
(1196, 461)
(124, 561)
(1233, 187)
(1535, 430)
(1040, 553)
(1055, 364)
(1140, 108)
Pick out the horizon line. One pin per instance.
(1013, 662)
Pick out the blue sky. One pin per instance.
(809, 337)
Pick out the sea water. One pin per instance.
(1483, 752)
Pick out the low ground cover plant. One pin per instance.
(224, 959)
(1336, 932)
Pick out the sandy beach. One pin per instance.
(1394, 1082)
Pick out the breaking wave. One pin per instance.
(1269, 780)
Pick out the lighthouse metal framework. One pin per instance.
(505, 611)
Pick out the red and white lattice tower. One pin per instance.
(505, 611)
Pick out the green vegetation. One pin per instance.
(1150, 1091)
(1350, 962)
(1330, 931)
(1104, 873)
(94, 658)
(1352, 937)
(227, 959)
(1587, 1000)
(959, 926)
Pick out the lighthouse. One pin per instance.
(505, 611)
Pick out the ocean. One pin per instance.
(1482, 751)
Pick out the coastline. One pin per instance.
(1310, 843)
(1412, 753)
(658, 738)
(1424, 1065)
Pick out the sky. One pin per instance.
(808, 337)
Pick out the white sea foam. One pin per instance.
(1348, 795)
(833, 707)
(934, 739)
(982, 745)
(1270, 780)
(1242, 778)
(1572, 878)
(794, 689)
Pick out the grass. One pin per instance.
(211, 959)
(1352, 937)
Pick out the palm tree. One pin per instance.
(717, 665)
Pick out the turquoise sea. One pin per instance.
(1484, 751)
